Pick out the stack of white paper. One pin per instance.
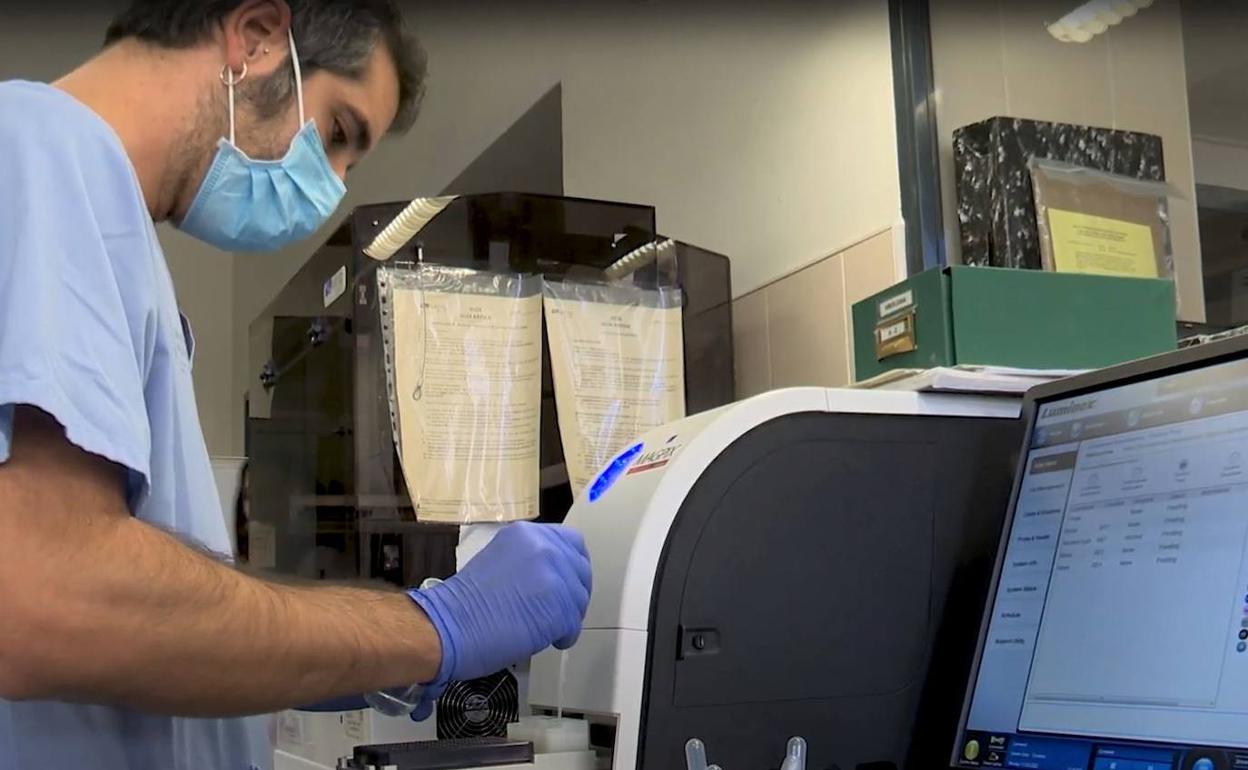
(993, 380)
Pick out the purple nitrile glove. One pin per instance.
(527, 590)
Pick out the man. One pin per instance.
(124, 641)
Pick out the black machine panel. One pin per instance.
(822, 579)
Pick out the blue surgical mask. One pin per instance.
(245, 204)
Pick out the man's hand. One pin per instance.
(526, 590)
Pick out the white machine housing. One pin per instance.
(627, 526)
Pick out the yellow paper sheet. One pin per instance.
(618, 371)
(1083, 243)
(468, 371)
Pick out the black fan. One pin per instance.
(479, 708)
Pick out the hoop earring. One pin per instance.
(228, 77)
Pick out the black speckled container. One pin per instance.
(996, 207)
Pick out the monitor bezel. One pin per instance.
(1141, 370)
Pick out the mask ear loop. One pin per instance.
(294, 57)
(228, 77)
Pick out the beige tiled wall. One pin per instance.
(797, 330)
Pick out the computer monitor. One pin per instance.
(1115, 634)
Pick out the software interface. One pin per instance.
(1118, 635)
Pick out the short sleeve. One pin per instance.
(75, 282)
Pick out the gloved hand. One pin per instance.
(526, 590)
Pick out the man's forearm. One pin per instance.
(153, 624)
(98, 606)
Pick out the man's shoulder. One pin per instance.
(60, 156)
(35, 116)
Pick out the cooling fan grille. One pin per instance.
(479, 708)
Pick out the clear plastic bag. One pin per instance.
(463, 364)
(617, 356)
(1105, 224)
(399, 701)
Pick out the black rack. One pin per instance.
(443, 755)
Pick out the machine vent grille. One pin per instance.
(479, 708)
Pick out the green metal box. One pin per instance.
(1003, 317)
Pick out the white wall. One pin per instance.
(767, 135)
(994, 57)
(771, 139)
(43, 45)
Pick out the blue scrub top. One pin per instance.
(90, 333)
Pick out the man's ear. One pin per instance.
(255, 34)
